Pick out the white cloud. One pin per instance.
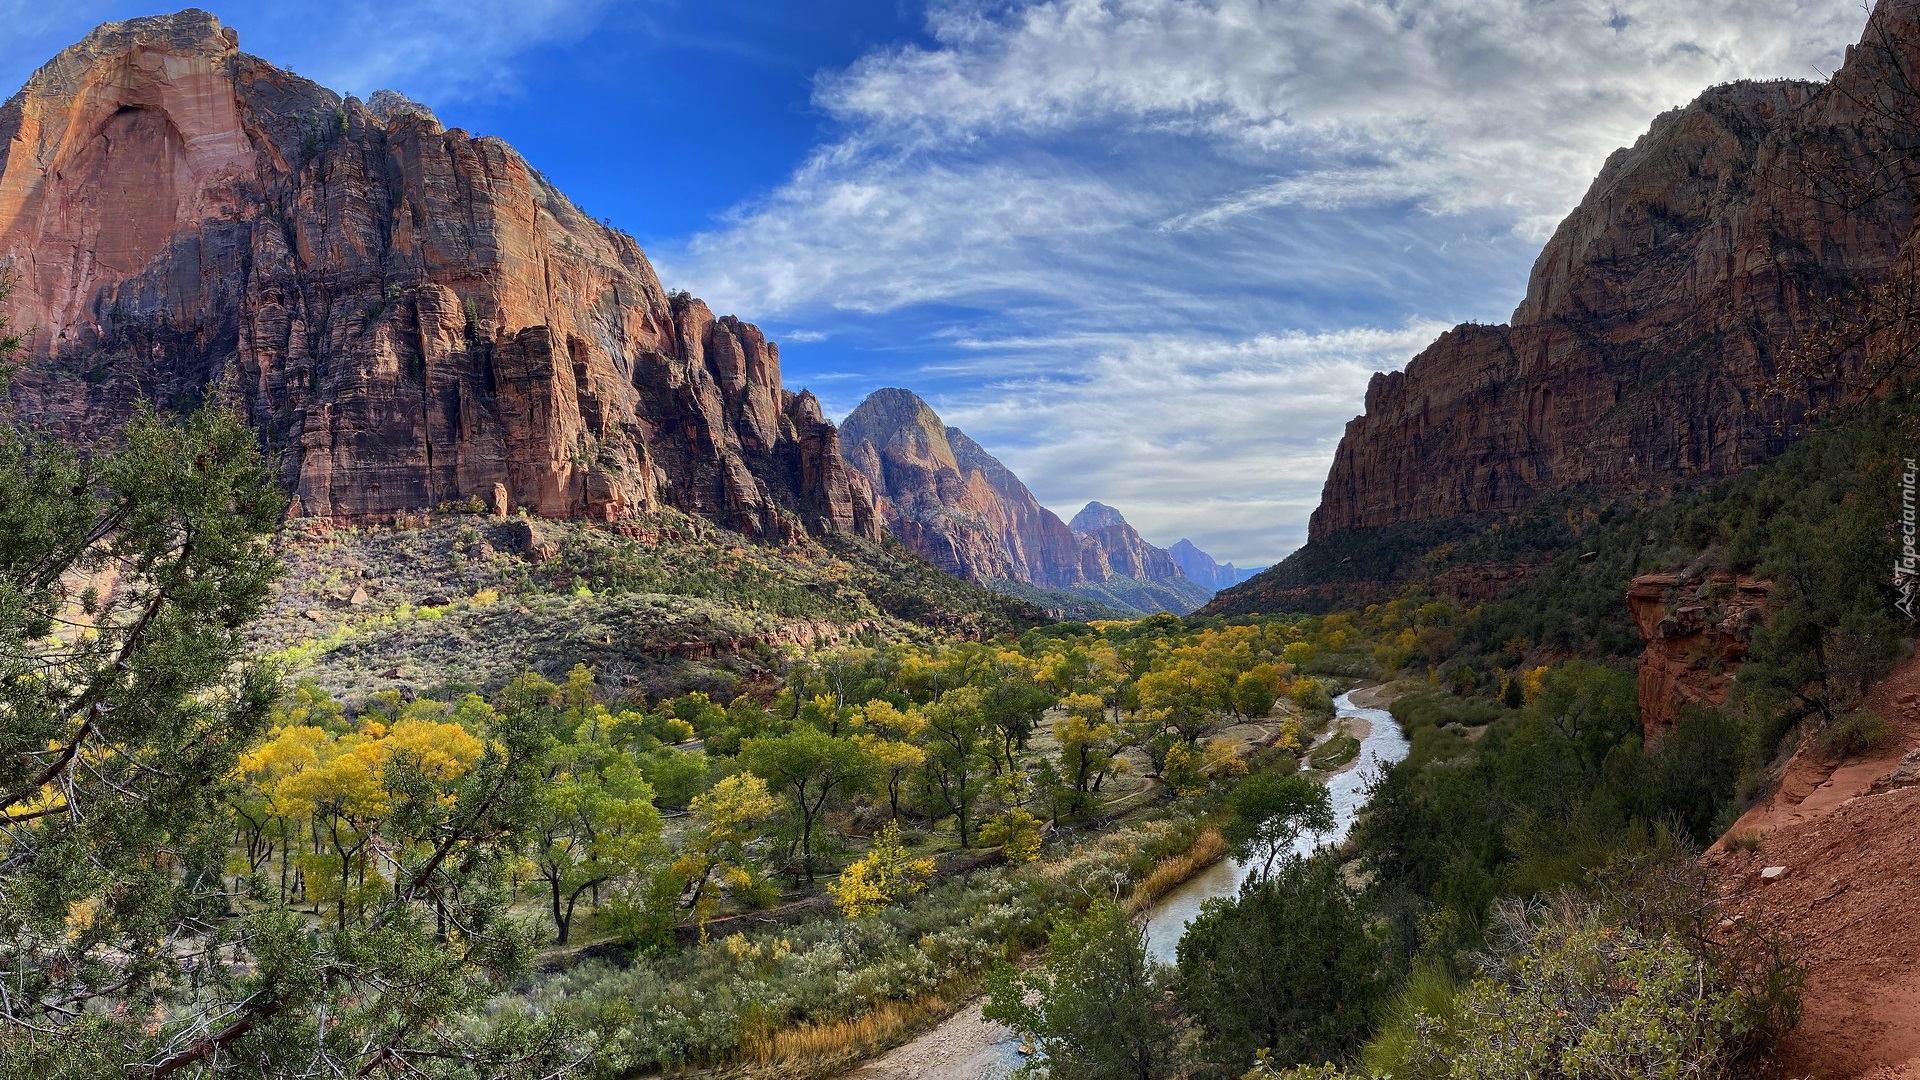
(437, 51)
(1469, 102)
(1027, 131)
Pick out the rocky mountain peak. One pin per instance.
(950, 500)
(1201, 567)
(412, 315)
(391, 105)
(1095, 515)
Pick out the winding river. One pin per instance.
(967, 1047)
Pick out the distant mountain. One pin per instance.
(1200, 566)
(951, 501)
(945, 497)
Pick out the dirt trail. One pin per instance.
(1848, 835)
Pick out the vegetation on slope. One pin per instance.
(463, 601)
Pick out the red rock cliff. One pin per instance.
(412, 315)
(1651, 322)
(1697, 634)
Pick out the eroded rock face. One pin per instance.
(951, 501)
(1652, 321)
(1697, 633)
(410, 315)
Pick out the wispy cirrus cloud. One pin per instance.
(1225, 442)
(437, 51)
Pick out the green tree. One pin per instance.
(957, 766)
(1269, 814)
(1101, 1009)
(597, 825)
(1013, 705)
(808, 767)
(127, 578)
(1290, 965)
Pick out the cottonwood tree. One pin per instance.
(597, 825)
(808, 767)
(714, 854)
(1269, 813)
(957, 764)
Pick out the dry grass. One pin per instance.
(821, 1050)
(1207, 849)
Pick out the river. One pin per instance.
(967, 1047)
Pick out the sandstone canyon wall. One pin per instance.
(1653, 318)
(1697, 634)
(410, 315)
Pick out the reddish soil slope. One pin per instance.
(1848, 834)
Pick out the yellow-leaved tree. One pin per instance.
(885, 875)
(715, 852)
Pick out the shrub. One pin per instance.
(887, 874)
(1566, 994)
(1853, 734)
(1291, 965)
(1018, 833)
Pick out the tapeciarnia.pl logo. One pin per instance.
(1907, 568)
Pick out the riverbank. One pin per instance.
(967, 1047)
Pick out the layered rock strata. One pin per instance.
(1655, 316)
(950, 500)
(410, 315)
(1697, 633)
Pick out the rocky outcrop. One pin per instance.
(950, 500)
(1697, 633)
(1653, 318)
(411, 315)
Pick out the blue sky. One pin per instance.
(1146, 251)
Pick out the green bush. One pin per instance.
(1565, 993)
(1291, 965)
(1853, 734)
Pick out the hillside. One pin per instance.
(442, 604)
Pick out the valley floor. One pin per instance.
(1848, 834)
